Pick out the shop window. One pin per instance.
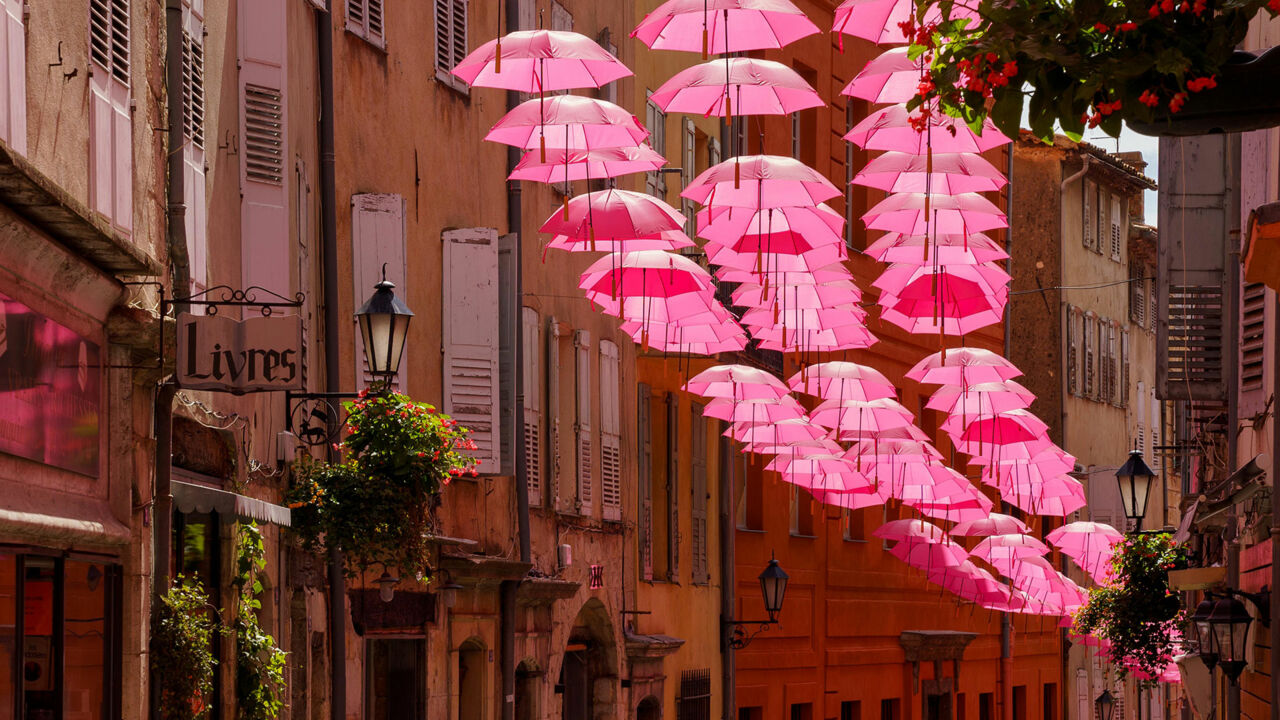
(395, 678)
(960, 713)
(197, 553)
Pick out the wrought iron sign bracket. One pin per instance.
(739, 636)
(228, 296)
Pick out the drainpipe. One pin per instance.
(1006, 625)
(332, 369)
(727, 530)
(1275, 533)
(507, 590)
(1231, 346)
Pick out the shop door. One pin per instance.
(576, 681)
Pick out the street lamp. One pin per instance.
(773, 589)
(384, 324)
(1202, 633)
(1135, 480)
(1105, 705)
(1229, 623)
(387, 586)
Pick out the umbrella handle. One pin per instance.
(737, 167)
(542, 145)
(705, 43)
(497, 60)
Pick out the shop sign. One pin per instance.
(50, 390)
(239, 356)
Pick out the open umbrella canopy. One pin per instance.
(848, 500)
(794, 448)
(736, 86)
(652, 273)
(736, 382)
(767, 255)
(1085, 542)
(857, 416)
(944, 249)
(1058, 496)
(760, 181)
(983, 432)
(941, 174)
(981, 399)
(536, 61)
(666, 240)
(930, 556)
(561, 165)
(568, 121)
(890, 128)
(919, 214)
(837, 294)
(908, 281)
(963, 366)
(723, 26)
(993, 524)
(760, 411)
(1010, 547)
(911, 530)
(831, 273)
(616, 215)
(844, 337)
(890, 77)
(839, 380)
(879, 20)
(783, 432)
(817, 225)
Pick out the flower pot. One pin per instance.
(1242, 101)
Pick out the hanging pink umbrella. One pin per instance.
(782, 432)
(848, 500)
(891, 129)
(812, 318)
(946, 250)
(838, 294)
(666, 240)
(736, 382)
(819, 276)
(911, 281)
(879, 20)
(858, 416)
(568, 121)
(979, 435)
(786, 255)
(845, 337)
(919, 214)
(609, 217)
(969, 505)
(794, 448)
(823, 472)
(539, 61)
(818, 224)
(958, 318)
(692, 308)
(910, 530)
(760, 181)
(736, 86)
(1090, 544)
(941, 174)
(927, 556)
(918, 480)
(981, 399)
(993, 524)
(685, 339)
(569, 165)
(716, 27)
(838, 380)
(652, 273)
(1009, 547)
(963, 366)
(1058, 496)
(891, 77)
(764, 410)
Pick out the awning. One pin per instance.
(190, 497)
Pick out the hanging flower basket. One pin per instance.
(377, 505)
(1091, 63)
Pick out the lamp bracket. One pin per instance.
(1261, 601)
(220, 296)
(740, 636)
(316, 418)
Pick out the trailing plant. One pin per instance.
(259, 663)
(377, 504)
(1087, 63)
(183, 628)
(1137, 612)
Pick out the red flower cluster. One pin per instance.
(922, 35)
(920, 121)
(1176, 103)
(1130, 25)
(1149, 98)
(1101, 27)
(1274, 6)
(1202, 83)
(984, 73)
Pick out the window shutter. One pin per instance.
(645, 446)
(1253, 321)
(264, 221)
(673, 487)
(698, 509)
(1152, 316)
(1104, 360)
(610, 433)
(1089, 222)
(1117, 220)
(451, 41)
(689, 164)
(1103, 219)
(193, 155)
(1124, 368)
(561, 19)
(1073, 351)
(582, 350)
(377, 238)
(655, 183)
(1137, 296)
(1142, 418)
(471, 338)
(1113, 362)
(1155, 431)
(13, 73)
(1090, 335)
(364, 18)
(532, 340)
(553, 410)
(110, 122)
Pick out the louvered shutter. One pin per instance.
(1152, 313)
(13, 73)
(673, 488)
(264, 220)
(698, 508)
(1073, 351)
(1137, 295)
(689, 166)
(1104, 360)
(1155, 431)
(1113, 362)
(1141, 435)
(644, 444)
(582, 429)
(110, 123)
(1116, 223)
(1089, 221)
(451, 41)
(610, 433)
(377, 238)
(1103, 219)
(1253, 353)
(553, 411)
(365, 18)
(1090, 335)
(655, 121)
(471, 337)
(532, 381)
(193, 153)
(1124, 368)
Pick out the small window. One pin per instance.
(694, 702)
(802, 711)
(365, 19)
(1050, 702)
(985, 706)
(851, 710)
(890, 709)
(855, 524)
(1019, 702)
(109, 37)
(451, 41)
(802, 521)
(1252, 336)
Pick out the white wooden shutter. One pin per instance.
(610, 433)
(644, 445)
(471, 337)
(377, 238)
(13, 73)
(1073, 351)
(655, 183)
(110, 122)
(451, 41)
(1116, 227)
(689, 164)
(532, 391)
(365, 19)
(698, 489)
(582, 429)
(193, 152)
(1089, 220)
(264, 219)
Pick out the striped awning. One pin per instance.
(192, 498)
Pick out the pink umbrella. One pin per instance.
(568, 121)
(764, 410)
(812, 469)
(813, 318)
(891, 129)
(938, 173)
(794, 448)
(905, 280)
(1058, 496)
(693, 308)
(958, 318)
(919, 214)
(742, 86)
(981, 399)
(1009, 547)
(1024, 570)
(819, 276)
(979, 435)
(568, 165)
(914, 479)
(837, 294)
(963, 366)
(723, 26)
(779, 433)
(845, 337)
(858, 416)
(736, 382)
(760, 181)
(818, 225)
(617, 221)
(891, 77)
(910, 530)
(939, 249)
(538, 61)
(994, 524)
(848, 500)
(926, 556)
(666, 240)
(837, 380)
(652, 273)
(971, 505)
(879, 20)
(1090, 544)
(689, 339)
(784, 256)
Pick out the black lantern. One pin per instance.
(1229, 623)
(1202, 633)
(387, 586)
(773, 585)
(384, 324)
(1105, 705)
(1135, 480)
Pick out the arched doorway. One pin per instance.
(589, 659)
(649, 709)
(471, 680)
(527, 678)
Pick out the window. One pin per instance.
(582, 428)
(855, 524)
(13, 105)
(1141, 434)
(1123, 400)
(801, 512)
(364, 19)
(110, 120)
(1019, 702)
(748, 486)
(655, 183)
(1252, 335)
(644, 444)
(851, 164)
(1116, 225)
(1090, 347)
(1073, 350)
(473, 688)
(960, 707)
(802, 711)
(694, 702)
(451, 41)
(1049, 698)
(985, 706)
(396, 671)
(264, 145)
(378, 246)
(1137, 295)
(1156, 422)
(610, 433)
(795, 150)
(193, 155)
(471, 338)
(1152, 317)
(851, 710)
(1102, 231)
(891, 709)
(689, 170)
(804, 125)
(671, 491)
(533, 404)
(1089, 223)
